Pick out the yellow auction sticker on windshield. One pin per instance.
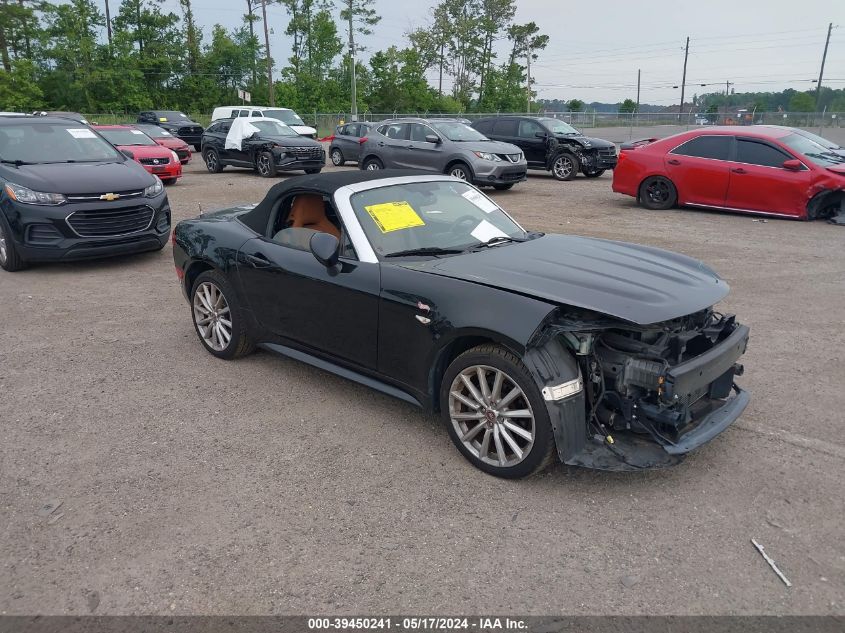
(394, 216)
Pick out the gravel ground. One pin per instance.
(190, 485)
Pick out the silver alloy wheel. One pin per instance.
(459, 172)
(211, 161)
(337, 157)
(497, 429)
(3, 252)
(212, 316)
(373, 166)
(263, 164)
(563, 167)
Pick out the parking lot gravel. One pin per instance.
(190, 485)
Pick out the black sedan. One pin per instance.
(531, 347)
(67, 194)
(265, 145)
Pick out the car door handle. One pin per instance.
(739, 170)
(257, 261)
(673, 161)
(380, 144)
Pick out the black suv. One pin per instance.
(552, 145)
(66, 193)
(263, 144)
(177, 123)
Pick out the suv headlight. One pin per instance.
(154, 189)
(488, 156)
(28, 196)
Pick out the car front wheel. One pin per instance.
(265, 164)
(658, 193)
(337, 158)
(10, 261)
(218, 318)
(593, 173)
(461, 171)
(212, 161)
(565, 167)
(495, 413)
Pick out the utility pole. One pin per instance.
(728, 85)
(528, 59)
(684, 80)
(638, 90)
(108, 23)
(821, 71)
(440, 86)
(354, 114)
(269, 59)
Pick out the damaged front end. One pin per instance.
(829, 205)
(651, 393)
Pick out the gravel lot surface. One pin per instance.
(190, 485)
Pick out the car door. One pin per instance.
(506, 130)
(533, 146)
(700, 169)
(346, 140)
(391, 143)
(219, 139)
(759, 182)
(292, 295)
(420, 153)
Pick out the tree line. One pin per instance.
(136, 56)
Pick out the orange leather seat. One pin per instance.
(309, 212)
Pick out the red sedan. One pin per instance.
(166, 139)
(156, 159)
(755, 169)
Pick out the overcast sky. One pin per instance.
(596, 48)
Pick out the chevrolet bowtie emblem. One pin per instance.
(110, 196)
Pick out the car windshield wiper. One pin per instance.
(499, 239)
(426, 250)
(6, 161)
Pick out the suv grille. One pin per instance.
(607, 152)
(190, 129)
(110, 222)
(305, 152)
(514, 158)
(154, 161)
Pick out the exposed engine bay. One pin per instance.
(658, 380)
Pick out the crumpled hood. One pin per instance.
(640, 284)
(594, 142)
(80, 178)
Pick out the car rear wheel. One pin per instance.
(658, 193)
(218, 318)
(460, 170)
(9, 259)
(373, 164)
(337, 158)
(212, 161)
(565, 167)
(495, 413)
(265, 164)
(593, 173)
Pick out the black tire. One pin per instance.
(337, 157)
(372, 164)
(169, 181)
(265, 164)
(460, 170)
(212, 161)
(314, 171)
(10, 260)
(565, 166)
(593, 173)
(240, 343)
(198, 147)
(541, 451)
(503, 187)
(657, 193)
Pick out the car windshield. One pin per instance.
(155, 131)
(274, 128)
(559, 127)
(426, 217)
(288, 117)
(53, 143)
(126, 136)
(169, 115)
(455, 131)
(819, 139)
(814, 152)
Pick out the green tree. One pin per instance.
(575, 105)
(19, 88)
(802, 102)
(629, 106)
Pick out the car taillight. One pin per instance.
(362, 140)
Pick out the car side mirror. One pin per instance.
(540, 134)
(793, 164)
(127, 153)
(432, 138)
(326, 249)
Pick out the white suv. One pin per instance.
(285, 115)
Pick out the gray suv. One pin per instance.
(447, 146)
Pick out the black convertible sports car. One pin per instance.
(604, 354)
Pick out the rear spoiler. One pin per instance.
(638, 143)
